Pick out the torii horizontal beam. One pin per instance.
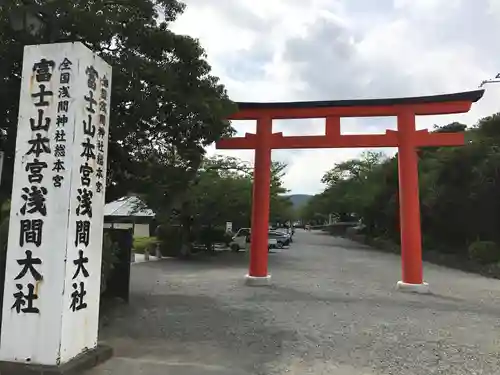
(422, 138)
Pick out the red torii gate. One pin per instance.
(406, 138)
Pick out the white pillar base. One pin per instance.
(258, 280)
(413, 288)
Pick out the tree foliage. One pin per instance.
(459, 191)
(281, 207)
(221, 191)
(166, 105)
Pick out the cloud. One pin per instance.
(285, 50)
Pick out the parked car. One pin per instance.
(242, 238)
(282, 238)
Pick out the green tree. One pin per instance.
(221, 191)
(316, 210)
(350, 186)
(166, 105)
(354, 169)
(459, 192)
(281, 207)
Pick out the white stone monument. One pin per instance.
(52, 282)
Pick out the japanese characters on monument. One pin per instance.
(64, 98)
(52, 284)
(86, 218)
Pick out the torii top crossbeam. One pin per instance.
(334, 110)
(421, 105)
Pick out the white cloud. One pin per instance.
(325, 49)
(494, 8)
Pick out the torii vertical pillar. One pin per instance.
(257, 273)
(409, 207)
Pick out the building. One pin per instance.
(130, 212)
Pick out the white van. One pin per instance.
(241, 240)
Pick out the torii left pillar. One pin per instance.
(409, 207)
(258, 271)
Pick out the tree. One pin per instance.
(459, 191)
(166, 106)
(348, 186)
(221, 191)
(281, 207)
(218, 191)
(354, 169)
(315, 211)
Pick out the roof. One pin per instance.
(468, 96)
(128, 206)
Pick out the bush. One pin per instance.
(143, 243)
(484, 252)
(383, 243)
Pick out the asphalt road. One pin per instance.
(332, 309)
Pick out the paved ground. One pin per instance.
(332, 309)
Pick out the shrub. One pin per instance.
(484, 252)
(143, 243)
(383, 243)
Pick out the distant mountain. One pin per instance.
(299, 200)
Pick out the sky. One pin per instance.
(290, 50)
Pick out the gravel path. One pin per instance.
(332, 309)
